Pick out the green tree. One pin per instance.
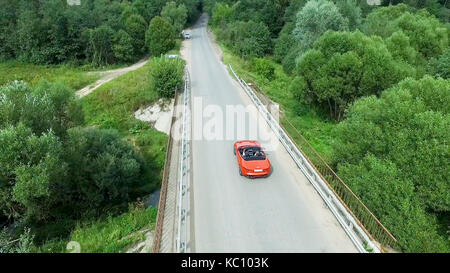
(30, 173)
(316, 17)
(175, 15)
(103, 169)
(47, 107)
(160, 36)
(392, 151)
(136, 26)
(100, 45)
(440, 66)
(344, 66)
(248, 39)
(123, 47)
(426, 34)
(350, 10)
(221, 15)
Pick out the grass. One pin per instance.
(74, 77)
(314, 127)
(112, 106)
(107, 235)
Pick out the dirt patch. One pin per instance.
(159, 115)
(144, 246)
(107, 76)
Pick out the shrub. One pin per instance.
(103, 169)
(10, 244)
(264, 68)
(344, 66)
(393, 152)
(160, 36)
(47, 107)
(167, 76)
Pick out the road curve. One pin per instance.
(230, 213)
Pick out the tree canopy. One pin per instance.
(393, 152)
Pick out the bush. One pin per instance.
(344, 66)
(264, 68)
(393, 153)
(167, 76)
(47, 107)
(103, 169)
(160, 36)
(290, 60)
(22, 244)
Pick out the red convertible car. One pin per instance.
(252, 160)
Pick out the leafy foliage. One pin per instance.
(247, 39)
(344, 66)
(123, 47)
(53, 170)
(393, 152)
(315, 18)
(440, 66)
(136, 27)
(167, 76)
(175, 15)
(53, 32)
(426, 34)
(264, 68)
(160, 36)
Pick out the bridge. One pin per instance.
(206, 206)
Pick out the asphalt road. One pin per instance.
(230, 213)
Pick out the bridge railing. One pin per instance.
(184, 171)
(164, 184)
(359, 223)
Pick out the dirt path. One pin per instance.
(107, 76)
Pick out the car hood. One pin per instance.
(256, 164)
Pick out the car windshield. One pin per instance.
(252, 153)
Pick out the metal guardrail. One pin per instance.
(365, 218)
(353, 226)
(164, 184)
(183, 175)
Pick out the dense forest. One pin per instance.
(56, 167)
(381, 74)
(97, 31)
